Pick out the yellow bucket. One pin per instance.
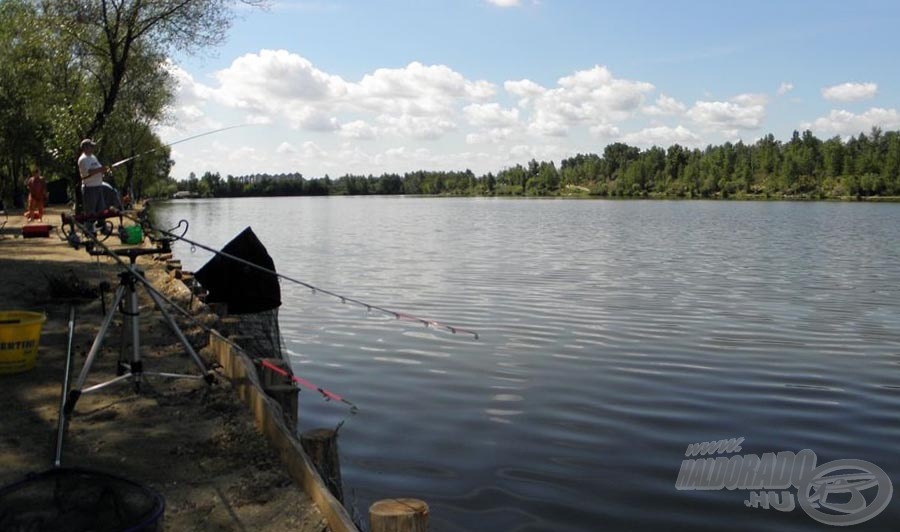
(20, 334)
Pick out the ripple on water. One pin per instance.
(613, 334)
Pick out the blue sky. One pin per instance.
(367, 87)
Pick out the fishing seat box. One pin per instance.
(36, 231)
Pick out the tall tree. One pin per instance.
(106, 37)
(22, 100)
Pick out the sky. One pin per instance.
(366, 87)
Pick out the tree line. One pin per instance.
(865, 165)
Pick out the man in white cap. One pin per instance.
(96, 199)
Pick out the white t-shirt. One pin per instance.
(86, 163)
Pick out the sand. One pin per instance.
(193, 443)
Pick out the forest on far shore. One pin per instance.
(866, 165)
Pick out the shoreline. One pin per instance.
(649, 197)
(197, 446)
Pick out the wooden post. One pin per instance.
(219, 309)
(280, 388)
(321, 447)
(239, 369)
(230, 324)
(398, 515)
(174, 268)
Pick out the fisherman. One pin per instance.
(98, 196)
(37, 195)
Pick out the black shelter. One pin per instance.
(243, 288)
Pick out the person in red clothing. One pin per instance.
(37, 195)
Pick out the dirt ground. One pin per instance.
(193, 443)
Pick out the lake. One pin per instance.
(613, 335)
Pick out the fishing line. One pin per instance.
(137, 274)
(316, 290)
(133, 157)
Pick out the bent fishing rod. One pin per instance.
(315, 289)
(133, 157)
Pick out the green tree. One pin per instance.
(23, 79)
(112, 41)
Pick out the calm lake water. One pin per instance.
(613, 334)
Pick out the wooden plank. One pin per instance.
(269, 417)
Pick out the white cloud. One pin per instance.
(850, 92)
(496, 123)
(745, 111)
(189, 92)
(784, 88)
(310, 117)
(845, 123)
(490, 136)
(663, 136)
(751, 99)
(604, 131)
(285, 148)
(490, 115)
(358, 129)
(525, 89)
(402, 110)
(417, 89)
(271, 78)
(259, 119)
(504, 3)
(309, 150)
(417, 127)
(548, 128)
(277, 86)
(541, 152)
(191, 113)
(665, 105)
(189, 109)
(587, 96)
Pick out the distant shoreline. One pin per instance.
(737, 198)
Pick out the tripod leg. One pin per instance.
(207, 375)
(75, 393)
(122, 364)
(136, 364)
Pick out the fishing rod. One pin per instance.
(149, 286)
(133, 157)
(329, 396)
(315, 289)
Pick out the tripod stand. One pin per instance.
(132, 369)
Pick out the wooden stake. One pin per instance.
(321, 447)
(398, 515)
(280, 388)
